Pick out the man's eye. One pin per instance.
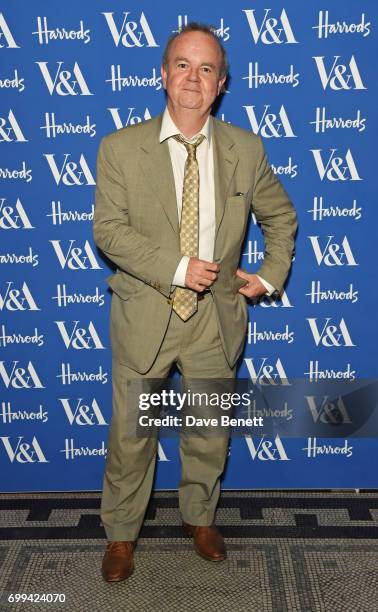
(181, 65)
(206, 69)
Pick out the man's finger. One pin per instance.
(210, 265)
(244, 290)
(242, 274)
(205, 282)
(211, 276)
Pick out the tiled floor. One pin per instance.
(287, 551)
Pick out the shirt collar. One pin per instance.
(168, 128)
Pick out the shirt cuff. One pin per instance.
(180, 274)
(269, 288)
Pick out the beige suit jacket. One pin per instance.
(136, 225)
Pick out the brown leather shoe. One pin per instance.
(208, 542)
(118, 561)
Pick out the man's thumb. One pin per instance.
(242, 274)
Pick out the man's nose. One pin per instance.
(193, 74)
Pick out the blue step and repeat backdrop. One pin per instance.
(302, 77)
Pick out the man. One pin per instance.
(173, 200)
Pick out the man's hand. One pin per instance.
(254, 287)
(200, 274)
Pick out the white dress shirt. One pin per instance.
(205, 159)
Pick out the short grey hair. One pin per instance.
(193, 26)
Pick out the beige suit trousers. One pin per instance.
(195, 347)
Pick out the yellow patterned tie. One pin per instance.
(185, 300)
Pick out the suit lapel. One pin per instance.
(225, 162)
(157, 167)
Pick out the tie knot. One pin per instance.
(190, 146)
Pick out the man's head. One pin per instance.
(194, 69)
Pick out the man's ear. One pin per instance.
(163, 73)
(221, 83)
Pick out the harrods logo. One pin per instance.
(320, 212)
(326, 28)
(15, 82)
(315, 373)
(320, 294)
(253, 253)
(323, 123)
(46, 34)
(222, 31)
(257, 79)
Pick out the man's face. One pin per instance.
(192, 79)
